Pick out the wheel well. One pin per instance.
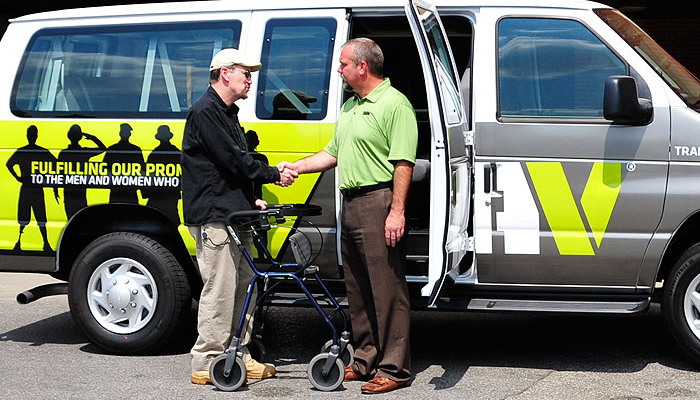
(93, 222)
(687, 235)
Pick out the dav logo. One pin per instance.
(560, 208)
(577, 220)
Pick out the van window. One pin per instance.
(119, 71)
(447, 78)
(296, 58)
(552, 68)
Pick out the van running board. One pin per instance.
(299, 299)
(588, 307)
(621, 307)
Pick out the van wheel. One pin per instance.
(127, 293)
(681, 302)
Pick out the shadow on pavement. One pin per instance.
(57, 329)
(579, 343)
(458, 341)
(453, 341)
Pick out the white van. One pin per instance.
(556, 172)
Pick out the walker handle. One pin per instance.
(275, 210)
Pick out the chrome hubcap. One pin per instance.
(122, 295)
(691, 306)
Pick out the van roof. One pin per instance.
(232, 5)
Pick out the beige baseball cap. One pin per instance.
(228, 57)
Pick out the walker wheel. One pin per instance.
(329, 382)
(347, 357)
(235, 379)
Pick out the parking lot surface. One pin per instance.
(44, 355)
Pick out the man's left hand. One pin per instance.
(261, 204)
(393, 228)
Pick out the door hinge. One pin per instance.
(460, 243)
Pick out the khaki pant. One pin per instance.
(226, 276)
(375, 280)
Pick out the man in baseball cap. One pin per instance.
(218, 177)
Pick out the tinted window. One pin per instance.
(552, 68)
(147, 71)
(447, 78)
(296, 57)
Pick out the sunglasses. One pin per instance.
(247, 73)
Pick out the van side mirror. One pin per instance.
(622, 104)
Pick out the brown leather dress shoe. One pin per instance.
(380, 384)
(351, 375)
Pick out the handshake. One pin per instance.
(288, 173)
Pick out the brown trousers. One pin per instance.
(375, 280)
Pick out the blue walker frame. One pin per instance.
(259, 223)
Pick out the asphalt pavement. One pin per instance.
(44, 355)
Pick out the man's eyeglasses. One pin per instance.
(247, 73)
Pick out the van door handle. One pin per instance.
(490, 177)
(487, 177)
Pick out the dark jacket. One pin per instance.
(217, 171)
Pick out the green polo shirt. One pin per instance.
(370, 134)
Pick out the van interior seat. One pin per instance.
(421, 170)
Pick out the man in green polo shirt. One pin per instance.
(374, 148)
(372, 134)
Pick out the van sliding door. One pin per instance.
(450, 181)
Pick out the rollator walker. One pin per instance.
(326, 370)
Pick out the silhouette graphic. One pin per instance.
(164, 198)
(74, 197)
(253, 142)
(128, 157)
(31, 195)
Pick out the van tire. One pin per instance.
(149, 293)
(681, 302)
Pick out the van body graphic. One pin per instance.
(577, 225)
(567, 223)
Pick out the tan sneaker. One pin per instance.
(256, 370)
(200, 377)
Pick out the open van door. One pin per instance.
(451, 152)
